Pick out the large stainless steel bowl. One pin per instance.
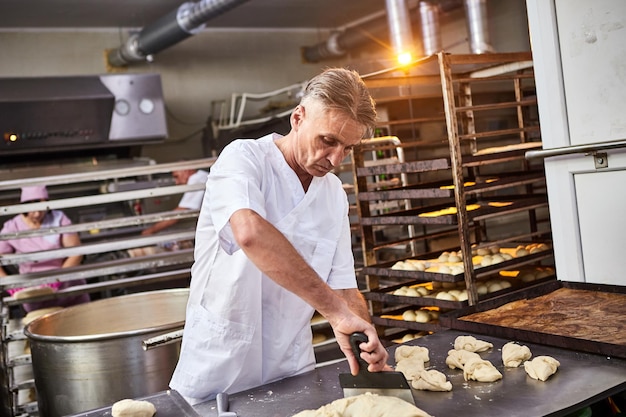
(91, 355)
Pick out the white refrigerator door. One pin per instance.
(579, 51)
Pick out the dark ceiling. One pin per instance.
(89, 14)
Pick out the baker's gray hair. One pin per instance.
(344, 90)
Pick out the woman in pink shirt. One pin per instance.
(39, 220)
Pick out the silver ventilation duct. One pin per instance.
(343, 41)
(431, 31)
(400, 33)
(477, 26)
(187, 20)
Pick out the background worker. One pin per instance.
(191, 200)
(42, 219)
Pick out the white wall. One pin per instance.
(216, 63)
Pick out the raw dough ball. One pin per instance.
(521, 252)
(480, 370)
(416, 264)
(541, 367)
(408, 315)
(513, 354)
(454, 258)
(483, 251)
(431, 380)
(401, 291)
(133, 408)
(482, 289)
(422, 290)
(400, 266)
(458, 358)
(463, 296)
(470, 343)
(422, 316)
(412, 353)
(412, 292)
(496, 259)
(410, 368)
(444, 269)
(370, 405)
(443, 295)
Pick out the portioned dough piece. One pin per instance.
(366, 405)
(513, 354)
(480, 370)
(133, 408)
(541, 367)
(32, 292)
(35, 314)
(412, 353)
(410, 368)
(471, 344)
(458, 358)
(431, 380)
(422, 316)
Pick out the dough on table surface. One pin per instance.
(366, 405)
(541, 367)
(471, 344)
(458, 358)
(133, 408)
(431, 380)
(514, 354)
(480, 370)
(410, 368)
(411, 352)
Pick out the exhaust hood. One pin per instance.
(80, 112)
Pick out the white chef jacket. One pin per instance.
(193, 199)
(243, 330)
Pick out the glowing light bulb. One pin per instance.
(404, 58)
(12, 137)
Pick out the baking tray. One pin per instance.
(445, 189)
(168, 404)
(385, 269)
(401, 217)
(454, 320)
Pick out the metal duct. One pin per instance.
(431, 31)
(477, 26)
(341, 42)
(172, 28)
(400, 33)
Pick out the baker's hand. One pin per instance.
(372, 352)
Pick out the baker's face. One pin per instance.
(325, 137)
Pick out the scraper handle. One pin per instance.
(355, 341)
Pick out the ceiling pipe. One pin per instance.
(431, 30)
(341, 41)
(478, 26)
(187, 20)
(400, 33)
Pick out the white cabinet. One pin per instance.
(580, 71)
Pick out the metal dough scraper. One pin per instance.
(392, 384)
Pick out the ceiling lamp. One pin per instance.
(400, 31)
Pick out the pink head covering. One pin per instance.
(34, 193)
